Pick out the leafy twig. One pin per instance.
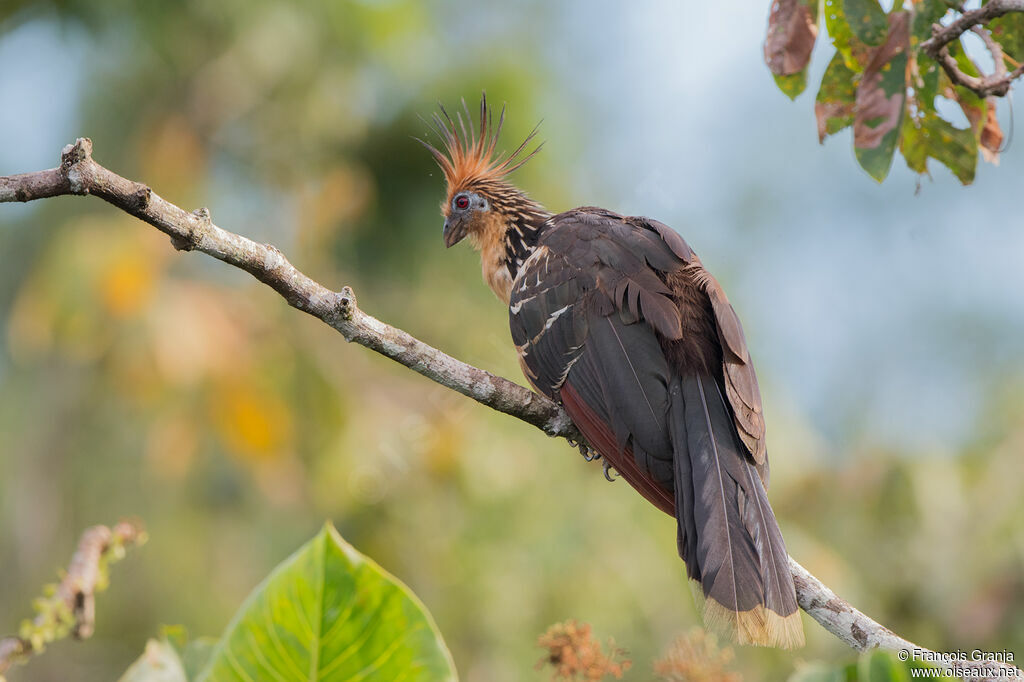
(69, 607)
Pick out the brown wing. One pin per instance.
(741, 387)
(573, 316)
(595, 315)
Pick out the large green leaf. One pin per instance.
(329, 613)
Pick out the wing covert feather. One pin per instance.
(741, 387)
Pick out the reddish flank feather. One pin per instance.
(602, 439)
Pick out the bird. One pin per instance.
(616, 319)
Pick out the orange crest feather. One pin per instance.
(469, 155)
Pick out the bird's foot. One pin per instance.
(589, 453)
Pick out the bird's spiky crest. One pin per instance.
(469, 156)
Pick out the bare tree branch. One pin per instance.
(71, 609)
(985, 86)
(79, 174)
(944, 35)
(937, 47)
(994, 48)
(862, 633)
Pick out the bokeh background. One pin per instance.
(886, 323)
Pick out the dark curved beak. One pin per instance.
(454, 232)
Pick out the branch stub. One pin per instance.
(346, 303)
(71, 156)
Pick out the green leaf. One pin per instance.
(834, 105)
(914, 146)
(930, 136)
(854, 52)
(926, 14)
(880, 100)
(158, 663)
(926, 81)
(193, 654)
(963, 62)
(872, 666)
(927, 72)
(1008, 30)
(819, 672)
(881, 666)
(196, 655)
(329, 613)
(921, 665)
(793, 85)
(867, 20)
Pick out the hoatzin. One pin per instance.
(615, 318)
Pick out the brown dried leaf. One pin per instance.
(834, 105)
(983, 120)
(991, 140)
(792, 30)
(972, 107)
(825, 111)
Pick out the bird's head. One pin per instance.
(480, 202)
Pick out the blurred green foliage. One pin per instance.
(871, 666)
(140, 381)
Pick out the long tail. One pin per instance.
(728, 535)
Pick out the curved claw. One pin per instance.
(607, 468)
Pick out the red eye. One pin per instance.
(462, 201)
